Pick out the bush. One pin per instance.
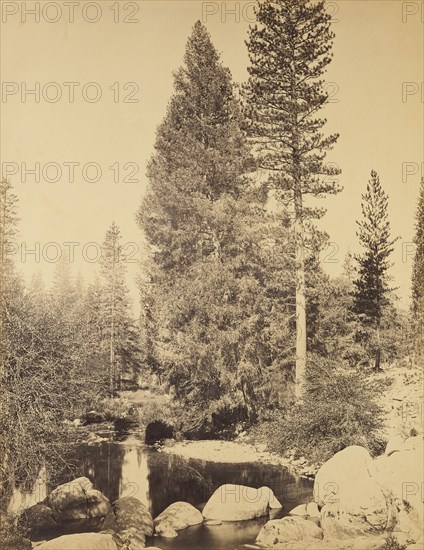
(12, 536)
(156, 411)
(391, 543)
(220, 419)
(339, 410)
(113, 408)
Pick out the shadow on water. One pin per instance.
(129, 468)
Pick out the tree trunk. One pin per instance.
(300, 300)
(112, 342)
(299, 242)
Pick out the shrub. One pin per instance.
(12, 536)
(113, 408)
(219, 419)
(339, 409)
(152, 411)
(391, 543)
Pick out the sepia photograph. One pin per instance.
(211, 275)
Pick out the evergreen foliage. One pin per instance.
(372, 291)
(289, 49)
(418, 275)
(212, 298)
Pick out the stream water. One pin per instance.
(130, 468)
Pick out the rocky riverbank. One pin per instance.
(359, 502)
(237, 452)
(402, 401)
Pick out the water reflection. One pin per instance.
(22, 498)
(216, 537)
(172, 478)
(129, 468)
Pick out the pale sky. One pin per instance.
(378, 48)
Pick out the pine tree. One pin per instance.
(118, 329)
(418, 274)
(289, 50)
(371, 287)
(349, 266)
(63, 284)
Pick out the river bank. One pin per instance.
(356, 501)
(237, 451)
(129, 469)
(402, 401)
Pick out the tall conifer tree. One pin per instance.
(118, 328)
(289, 49)
(203, 220)
(418, 274)
(371, 287)
(200, 155)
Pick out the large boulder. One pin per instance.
(84, 541)
(340, 473)
(312, 510)
(415, 443)
(394, 444)
(309, 510)
(178, 515)
(74, 506)
(299, 510)
(131, 520)
(78, 501)
(289, 529)
(352, 502)
(366, 512)
(69, 500)
(238, 502)
(402, 474)
(38, 520)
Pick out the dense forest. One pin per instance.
(239, 323)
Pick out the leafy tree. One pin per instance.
(418, 274)
(337, 327)
(32, 375)
(289, 50)
(371, 287)
(8, 219)
(46, 375)
(8, 229)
